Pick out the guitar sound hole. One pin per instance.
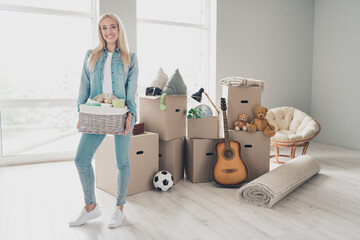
(228, 153)
(229, 170)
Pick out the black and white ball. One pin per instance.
(163, 180)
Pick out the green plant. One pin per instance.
(194, 113)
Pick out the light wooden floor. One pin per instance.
(37, 201)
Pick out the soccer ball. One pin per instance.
(163, 180)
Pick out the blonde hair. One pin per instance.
(121, 43)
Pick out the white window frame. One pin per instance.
(15, 103)
(210, 27)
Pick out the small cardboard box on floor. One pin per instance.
(172, 157)
(200, 157)
(255, 151)
(169, 123)
(208, 128)
(144, 163)
(241, 100)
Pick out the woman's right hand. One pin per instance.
(78, 123)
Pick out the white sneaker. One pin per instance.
(116, 219)
(85, 216)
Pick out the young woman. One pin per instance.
(109, 68)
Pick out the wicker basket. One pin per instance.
(102, 120)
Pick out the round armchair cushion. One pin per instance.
(291, 124)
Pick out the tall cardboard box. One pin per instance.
(208, 128)
(144, 163)
(255, 151)
(169, 123)
(241, 100)
(172, 157)
(200, 157)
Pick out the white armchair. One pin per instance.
(293, 127)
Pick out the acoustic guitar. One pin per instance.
(228, 169)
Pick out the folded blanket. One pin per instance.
(242, 82)
(271, 187)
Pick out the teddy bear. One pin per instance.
(260, 123)
(242, 123)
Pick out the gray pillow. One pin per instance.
(175, 85)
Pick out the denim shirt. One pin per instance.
(124, 85)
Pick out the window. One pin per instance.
(43, 47)
(174, 34)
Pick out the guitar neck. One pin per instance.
(226, 132)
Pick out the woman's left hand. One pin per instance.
(128, 123)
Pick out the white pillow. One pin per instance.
(160, 79)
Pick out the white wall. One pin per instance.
(271, 41)
(336, 71)
(126, 10)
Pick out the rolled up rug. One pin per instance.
(271, 187)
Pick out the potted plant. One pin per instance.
(194, 113)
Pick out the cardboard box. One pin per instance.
(144, 163)
(241, 100)
(255, 151)
(203, 128)
(200, 157)
(172, 157)
(171, 123)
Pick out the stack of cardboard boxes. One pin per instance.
(255, 147)
(170, 123)
(202, 135)
(163, 145)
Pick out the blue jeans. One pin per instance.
(88, 145)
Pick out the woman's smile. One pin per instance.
(109, 31)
